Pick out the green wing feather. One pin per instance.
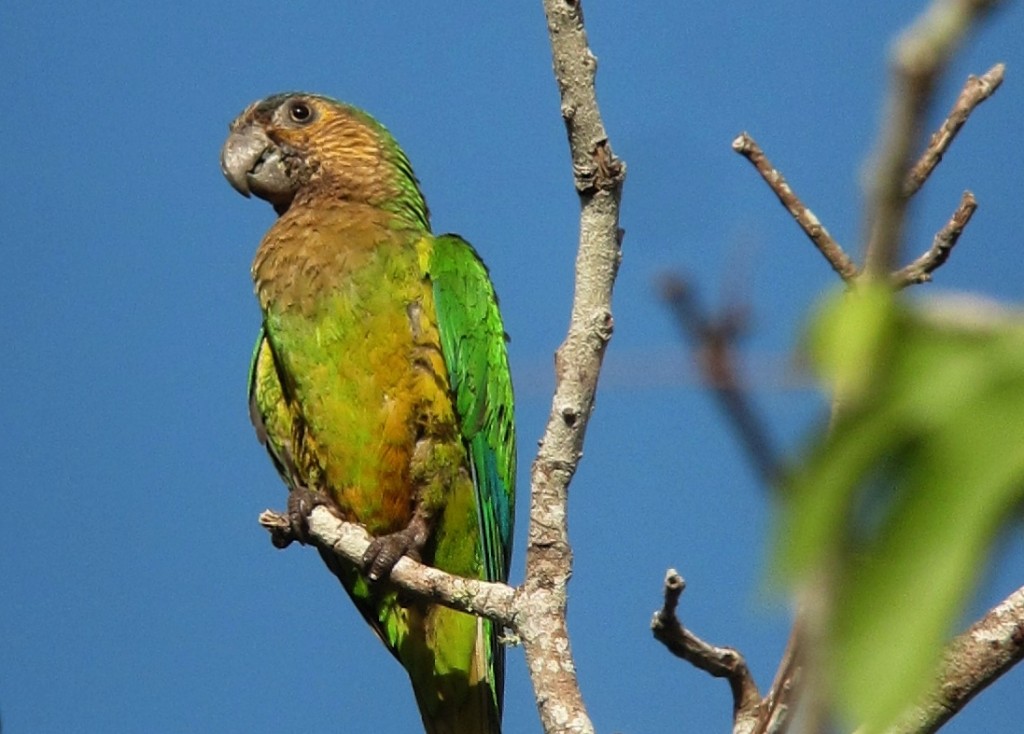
(473, 344)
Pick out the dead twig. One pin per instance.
(814, 229)
(920, 271)
(720, 662)
(975, 91)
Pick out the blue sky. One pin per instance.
(138, 594)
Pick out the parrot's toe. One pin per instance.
(383, 553)
(301, 502)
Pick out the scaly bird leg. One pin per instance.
(384, 551)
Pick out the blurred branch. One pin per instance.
(972, 661)
(713, 340)
(920, 271)
(976, 90)
(720, 662)
(782, 696)
(919, 57)
(814, 229)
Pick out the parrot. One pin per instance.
(380, 384)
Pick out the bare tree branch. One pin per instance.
(976, 90)
(919, 57)
(920, 271)
(972, 661)
(598, 176)
(721, 662)
(814, 229)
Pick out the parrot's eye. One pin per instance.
(300, 112)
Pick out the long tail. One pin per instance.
(457, 674)
(454, 660)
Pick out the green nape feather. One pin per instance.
(380, 378)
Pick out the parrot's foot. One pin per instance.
(383, 553)
(301, 502)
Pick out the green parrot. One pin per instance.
(380, 384)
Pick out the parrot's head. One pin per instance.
(295, 145)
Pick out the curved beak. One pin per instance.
(252, 164)
(239, 156)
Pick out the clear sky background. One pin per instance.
(137, 592)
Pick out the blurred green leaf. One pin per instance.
(852, 330)
(900, 502)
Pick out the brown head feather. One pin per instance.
(334, 151)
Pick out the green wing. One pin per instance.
(269, 411)
(473, 345)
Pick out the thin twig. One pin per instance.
(347, 540)
(598, 177)
(972, 661)
(713, 339)
(920, 55)
(720, 662)
(920, 271)
(975, 91)
(814, 229)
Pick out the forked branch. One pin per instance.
(918, 59)
(891, 197)
(720, 662)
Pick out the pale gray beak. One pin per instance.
(252, 164)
